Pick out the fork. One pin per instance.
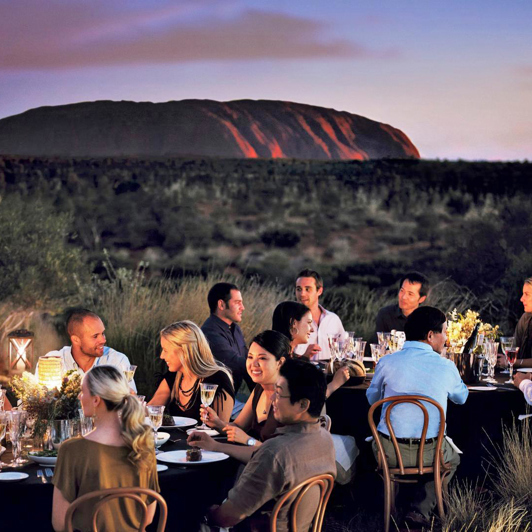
(40, 475)
(49, 473)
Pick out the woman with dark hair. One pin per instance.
(117, 453)
(294, 320)
(255, 423)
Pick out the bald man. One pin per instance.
(88, 349)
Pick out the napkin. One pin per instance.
(345, 450)
(453, 445)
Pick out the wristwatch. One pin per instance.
(251, 442)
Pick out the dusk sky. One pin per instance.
(455, 76)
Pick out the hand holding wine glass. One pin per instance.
(208, 391)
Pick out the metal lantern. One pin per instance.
(20, 350)
(50, 372)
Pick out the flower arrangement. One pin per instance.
(461, 326)
(44, 405)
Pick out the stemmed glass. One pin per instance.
(208, 391)
(511, 356)
(491, 355)
(2, 398)
(506, 343)
(3, 429)
(156, 418)
(130, 373)
(17, 427)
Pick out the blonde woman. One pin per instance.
(190, 362)
(117, 453)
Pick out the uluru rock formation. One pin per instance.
(243, 128)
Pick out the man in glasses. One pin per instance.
(299, 450)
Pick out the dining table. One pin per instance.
(189, 490)
(476, 427)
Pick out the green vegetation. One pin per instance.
(361, 224)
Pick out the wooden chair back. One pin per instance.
(104, 496)
(391, 475)
(325, 484)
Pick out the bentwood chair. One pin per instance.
(439, 469)
(107, 495)
(325, 484)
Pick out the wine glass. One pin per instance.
(506, 343)
(511, 356)
(17, 427)
(2, 398)
(3, 430)
(208, 391)
(156, 418)
(491, 354)
(130, 372)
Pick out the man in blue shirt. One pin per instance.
(418, 369)
(223, 333)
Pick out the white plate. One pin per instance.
(525, 370)
(181, 422)
(13, 476)
(46, 461)
(210, 432)
(161, 468)
(482, 388)
(180, 457)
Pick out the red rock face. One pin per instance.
(244, 128)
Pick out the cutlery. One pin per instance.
(40, 475)
(48, 472)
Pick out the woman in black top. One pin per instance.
(256, 423)
(190, 362)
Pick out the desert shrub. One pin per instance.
(39, 266)
(280, 237)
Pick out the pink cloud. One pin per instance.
(55, 34)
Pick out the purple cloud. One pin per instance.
(56, 34)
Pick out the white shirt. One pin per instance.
(329, 323)
(110, 357)
(526, 388)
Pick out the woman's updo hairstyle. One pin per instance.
(111, 385)
(274, 342)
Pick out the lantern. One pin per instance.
(20, 350)
(50, 372)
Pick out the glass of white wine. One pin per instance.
(130, 373)
(156, 418)
(208, 391)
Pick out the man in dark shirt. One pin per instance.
(222, 332)
(413, 290)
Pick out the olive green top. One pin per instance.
(84, 466)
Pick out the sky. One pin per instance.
(454, 76)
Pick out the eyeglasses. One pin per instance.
(276, 394)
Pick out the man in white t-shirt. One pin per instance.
(88, 349)
(309, 287)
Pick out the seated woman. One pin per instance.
(117, 453)
(255, 423)
(294, 320)
(190, 362)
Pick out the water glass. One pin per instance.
(62, 430)
(17, 427)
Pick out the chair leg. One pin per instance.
(393, 497)
(387, 503)
(439, 495)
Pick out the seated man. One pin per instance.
(300, 449)
(413, 290)
(223, 333)
(523, 330)
(418, 369)
(309, 288)
(88, 349)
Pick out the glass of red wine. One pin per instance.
(511, 356)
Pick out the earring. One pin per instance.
(295, 330)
